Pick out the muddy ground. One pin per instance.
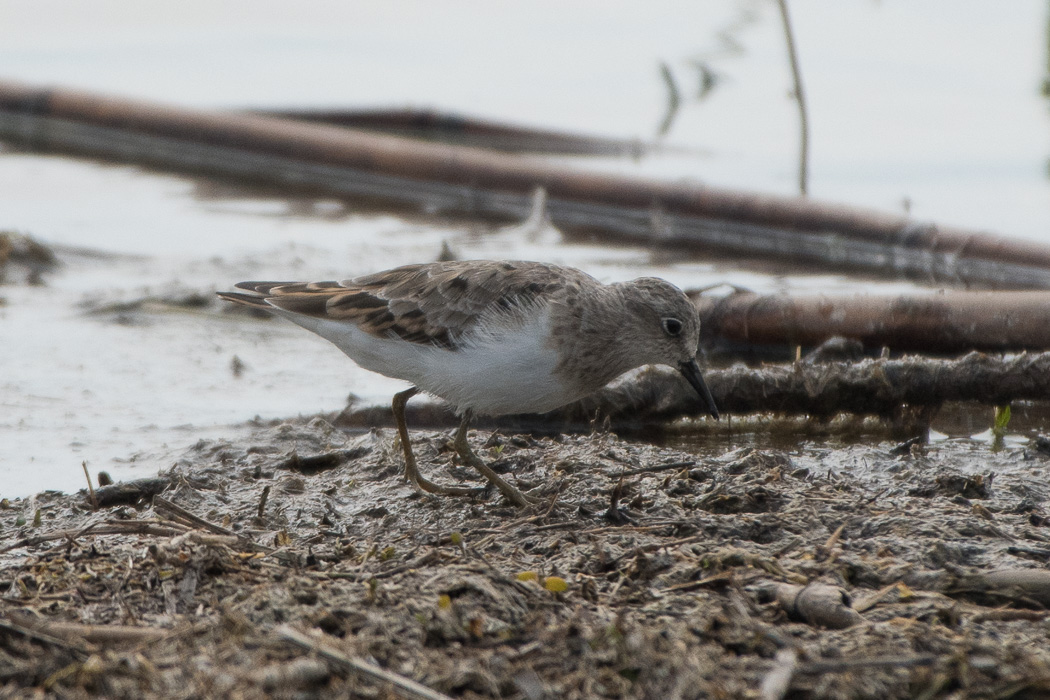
(298, 563)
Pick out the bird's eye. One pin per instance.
(672, 326)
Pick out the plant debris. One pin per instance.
(300, 563)
(22, 252)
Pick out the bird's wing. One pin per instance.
(435, 303)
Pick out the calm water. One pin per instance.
(935, 106)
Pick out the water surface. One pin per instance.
(934, 107)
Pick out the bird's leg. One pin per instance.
(411, 470)
(463, 448)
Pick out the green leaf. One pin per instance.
(1002, 419)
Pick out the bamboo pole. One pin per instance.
(948, 322)
(886, 388)
(467, 130)
(469, 181)
(907, 388)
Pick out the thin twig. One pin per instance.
(163, 504)
(405, 687)
(91, 487)
(130, 527)
(614, 503)
(641, 527)
(72, 632)
(262, 500)
(868, 602)
(673, 543)
(181, 514)
(719, 578)
(800, 99)
(1010, 614)
(846, 665)
(674, 99)
(824, 551)
(835, 537)
(430, 557)
(660, 468)
(15, 628)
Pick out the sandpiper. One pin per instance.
(492, 337)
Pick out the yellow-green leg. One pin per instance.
(467, 455)
(411, 470)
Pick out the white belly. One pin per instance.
(505, 371)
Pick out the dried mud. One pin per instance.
(299, 563)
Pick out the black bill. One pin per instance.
(691, 370)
